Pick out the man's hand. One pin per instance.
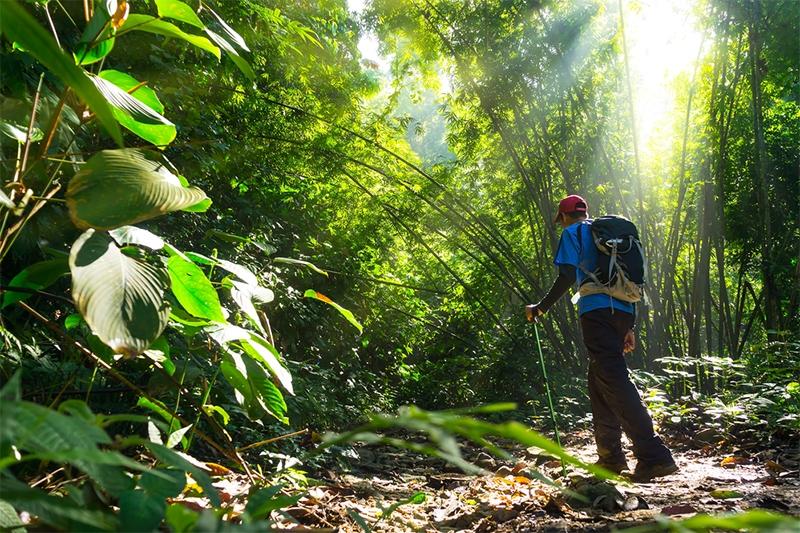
(630, 342)
(533, 312)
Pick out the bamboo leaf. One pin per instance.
(300, 262)
(310, 293)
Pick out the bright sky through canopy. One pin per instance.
(662, 43)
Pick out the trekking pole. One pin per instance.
(549, 396)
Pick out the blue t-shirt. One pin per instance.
(569, 253)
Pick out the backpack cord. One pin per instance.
(549, 396)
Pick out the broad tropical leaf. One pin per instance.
(18, 25)
(19, 132)
(119, 187)
(121, 298)
(140, 111)
(177, 10)
(37, 276)
(194, 290)
(161, 27)
(97, 39)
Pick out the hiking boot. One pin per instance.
(612, 466)
(645, 472)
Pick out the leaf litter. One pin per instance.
(389, 490)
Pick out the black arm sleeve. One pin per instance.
(566, 277)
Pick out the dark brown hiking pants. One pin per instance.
(616, 404)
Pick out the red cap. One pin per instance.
(570, 204)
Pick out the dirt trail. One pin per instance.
(509, 500)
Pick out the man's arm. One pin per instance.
(566, 278)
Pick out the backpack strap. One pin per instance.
(590, 276)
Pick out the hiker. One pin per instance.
(607, 324)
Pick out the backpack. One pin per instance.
(621, 265)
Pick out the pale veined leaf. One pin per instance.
(127, 103)
(242, 272)
(138, 236)
(5, 201)
(177, 10)
(193, 289)
(122, 299)
(310, 293)
(20, 133)
(162, 131)
(240, 62)
(119, 187)
(21, 27)
(230, 34)
(9, 520)
(150, 24)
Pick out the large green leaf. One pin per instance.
(193, 289)
(9, 520)
(139, 511)
(97, 39)
(37, 276)
(253, 388)
(18, 25)
(177, 10)
(121, 298)
(19, 133)
(269, 394)
(61, 513)
(161, 27)
(119, 187)
(140, 110)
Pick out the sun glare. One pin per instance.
(662, 42)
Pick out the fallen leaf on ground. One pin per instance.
(726, 494)
(732, 461)
(683, 508)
